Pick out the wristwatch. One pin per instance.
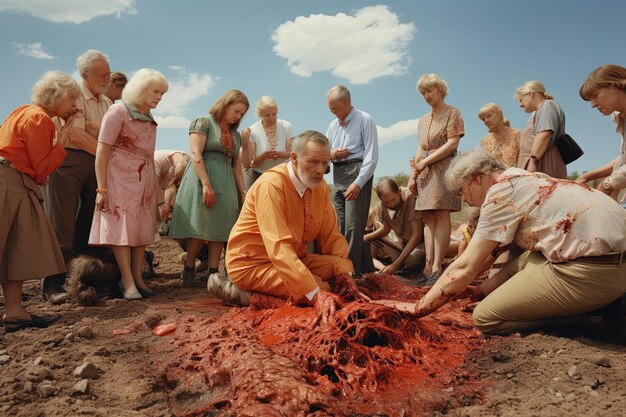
(606, 185)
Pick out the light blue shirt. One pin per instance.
(360, 137)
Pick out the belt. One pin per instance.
(6, 162)
(615, 258)
(346, 162)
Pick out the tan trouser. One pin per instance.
(390, 246)
(539, 293)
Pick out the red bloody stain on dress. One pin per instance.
(370, 360)
(566, 224)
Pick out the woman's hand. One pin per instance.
(412, 185)
(164, 212)
(102, 202)
(64, 131)
(208, 195)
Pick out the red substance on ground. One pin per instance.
(370, 360)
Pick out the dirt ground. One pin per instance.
(104, 361)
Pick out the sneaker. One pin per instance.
(188, 276)
(220, 286)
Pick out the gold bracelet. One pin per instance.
(101, 190)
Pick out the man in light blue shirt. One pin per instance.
(354, 153)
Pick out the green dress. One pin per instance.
(191, 217)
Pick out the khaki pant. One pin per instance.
(538, 293)
(391, 246)
(265, 279)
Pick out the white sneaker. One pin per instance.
(220, 286)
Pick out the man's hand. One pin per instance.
(339, 153)
(390, 269)
(326, 304)
(346, 288)
(352, 193)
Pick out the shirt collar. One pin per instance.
(88, 94)
(136, 115)
(300, 187)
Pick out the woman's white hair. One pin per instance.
(52, 86)
(430, 80)
(264, 103)
(469, 165)
(303, 138)
(86, 60)
(143, 79)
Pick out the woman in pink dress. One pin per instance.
(127, 191)
(439, 133)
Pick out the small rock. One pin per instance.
(558, 394)
(86, 370)
(69, 337)
(509, 375)
(543, 356)
(3, 351)
(590, 391)
(570, 397)
(85, 332)
(81, 387)
(599, 360)
(38, 361)
(558, 352)
(597, 383)
(573, 372)
(556, 379)
(47, 389)
(4, 359)
(36, 373)
(102, 351)
(29, 387)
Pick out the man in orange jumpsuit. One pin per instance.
(286, 208)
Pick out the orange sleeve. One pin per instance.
(271, 204)
(37, 134)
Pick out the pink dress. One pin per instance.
(130, 219)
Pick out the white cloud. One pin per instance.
(183, 91)
(177, 68)
(397, 131)
(172, 122)
(73, 11)
(370, 44)
(34, 50)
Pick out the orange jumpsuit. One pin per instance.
(266, 250)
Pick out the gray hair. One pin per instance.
(134, 91)
(265, 102)
(86, 60)
(470, 165)
(430, 80)
(306, 137)
(52, 86)
(532, 86)
(339, 92)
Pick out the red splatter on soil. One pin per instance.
(371, 360)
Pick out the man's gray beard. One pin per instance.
(305, 180)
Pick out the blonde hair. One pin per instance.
(470, 165)
(52, 86)
(605, 76)
(264, 103)
(140, 82)
(218, 109)
(493, 108)
(533, 86)
(431, 80)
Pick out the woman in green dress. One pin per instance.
(207, 203)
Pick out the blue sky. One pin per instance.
(296, 50)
